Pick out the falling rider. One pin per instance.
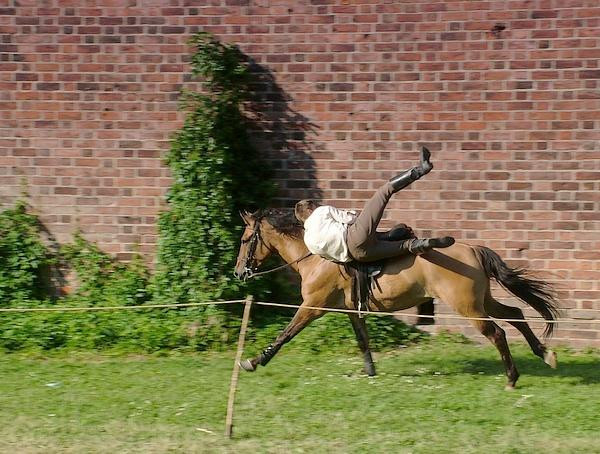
(342, 236)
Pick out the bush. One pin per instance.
(186, 329)
(217, 172)
(24, 259)
(131, 331)
(103, 281)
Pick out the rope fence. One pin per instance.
(443, 316)
(114, 308)
(291, 306)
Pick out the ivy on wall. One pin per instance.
(24, 259)
(216, 173)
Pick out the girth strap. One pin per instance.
(363, 279)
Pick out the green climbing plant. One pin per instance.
(24, 258)
(216, 173)
(102, 280)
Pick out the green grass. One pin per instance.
(435, 397)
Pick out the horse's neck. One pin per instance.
(289, 249)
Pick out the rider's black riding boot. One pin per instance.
(418, 246)
(397, 233)
(404, 179)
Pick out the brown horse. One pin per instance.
(459, 276)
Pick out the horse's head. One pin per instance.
(253, 248)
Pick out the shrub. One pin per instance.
(103, 281)
(216, 173)
(24, 259)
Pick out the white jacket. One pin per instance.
(325, 232)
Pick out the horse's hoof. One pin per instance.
(246, 364)
(509, 387)
(550, 358)
(370, 370)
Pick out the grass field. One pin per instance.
(435, 397)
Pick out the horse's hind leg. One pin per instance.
(498, 310)
(300, 320)
(497, 336)
(362, 336)
(473, 308)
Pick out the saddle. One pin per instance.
(363, 280)
(363, 275)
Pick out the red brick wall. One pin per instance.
(512, 116)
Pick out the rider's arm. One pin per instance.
(343, 216)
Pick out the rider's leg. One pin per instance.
(404, 179)
(364, 229)
(396, 233)
(379, 250)
(365, 225)
(365, 244)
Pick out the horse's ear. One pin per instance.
(246, 217)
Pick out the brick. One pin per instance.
(524, 85)
(341, 87)
(497, 196)
(590, 74)
(544, 14)
(65, 190)
(26, 76)
(88, 86)
(47, 86)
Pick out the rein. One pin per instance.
(285, 265)
(249, 270)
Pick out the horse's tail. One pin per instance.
(538, 294)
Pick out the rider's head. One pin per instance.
(304, 209)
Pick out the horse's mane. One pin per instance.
(284, 221)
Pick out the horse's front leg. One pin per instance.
(362, 336)
(302, 318)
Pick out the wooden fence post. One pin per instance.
(236, 367)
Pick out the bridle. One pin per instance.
(250, 261)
